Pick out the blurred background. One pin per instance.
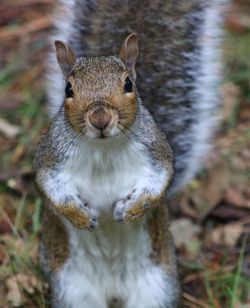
(211, 219)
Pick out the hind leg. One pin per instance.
(154, 289)
(70, 286)
(157, 285)
(70, 289)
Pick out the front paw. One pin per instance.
(78, 213)
(133, 207)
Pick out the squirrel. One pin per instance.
(104, 162)
(120, 139)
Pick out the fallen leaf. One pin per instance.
(236, 198)
(8, 33)
(211, 190)
(230, 93)
(9, 130)
(192, 301)
(225, 212)
(10, 102)
(16, 284)
(17, 154)
(4, 226)
(244, 113)
(229, 234)
(185, 234)
(13, 295)
(187, 209)
(238, 19)
(2, 256)
(23, 184)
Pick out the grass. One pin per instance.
(228, 289)
(21, 209)
(237, 68)
(21, 247)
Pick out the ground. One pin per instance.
(210, 219)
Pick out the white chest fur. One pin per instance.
(104, 173)
(114, 259)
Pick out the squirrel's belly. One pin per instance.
(101, 192)
(110, 257)
(102, 182)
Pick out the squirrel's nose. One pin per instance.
(99, 117)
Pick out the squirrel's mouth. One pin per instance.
(101, 121)
(102, 136)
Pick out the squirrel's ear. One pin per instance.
(129, 53)
(65, 57)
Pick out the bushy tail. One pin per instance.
(179, 67)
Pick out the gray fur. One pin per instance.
(61, 141)
(178, 75)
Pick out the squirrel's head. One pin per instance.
(100, 93)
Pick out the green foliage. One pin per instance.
(229, 289)
(237, 68)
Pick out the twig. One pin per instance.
(6, 217)
(36, 25)
(198, 303)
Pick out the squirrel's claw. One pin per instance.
(130, 209)
(79, 214)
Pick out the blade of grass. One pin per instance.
(20, 211)
(36, 217)
(209, 290)
(237, 276)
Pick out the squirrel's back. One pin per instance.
(178, 69)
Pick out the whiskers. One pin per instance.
(130, 131)
(74, 138)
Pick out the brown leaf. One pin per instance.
(12, 173)
(10, 102)
(211, 190)
(13, 295)
(2, 256)
(185, 234)
(8, 130)
(186, 209)
(230, 94)
(236, 198)
(228, 235)
(16, 284)
(244, 113)
(192, 301)
(4, 227)
(238, 19)
(13, 244)
(7, 33)
(226, 212)
(17, 154)
(23, 184)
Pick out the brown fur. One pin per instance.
(140, 208)
(55, 239)
(95, 81)
(99, 82)
(161, 239)
(76, 216)
(99, 116)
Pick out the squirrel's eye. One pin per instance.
(68, 90)
(128, 86)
